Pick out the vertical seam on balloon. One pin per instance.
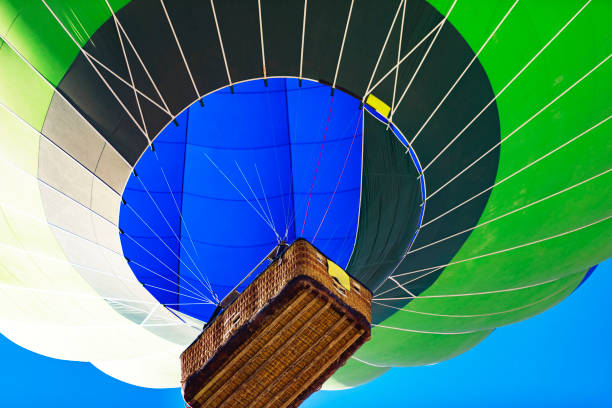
(348, 262)
(178, 44)
(348, 21)
(331, 104)
(229, 78)
(341, 174)
(182, 197)
(290, 156)
(303, 35)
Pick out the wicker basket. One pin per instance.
(277, 343)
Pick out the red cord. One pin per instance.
(318, 162)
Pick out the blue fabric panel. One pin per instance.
(241, 168)
(317, 132)
(139, 216)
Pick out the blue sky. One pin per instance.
(561, 358)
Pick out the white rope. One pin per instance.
(180, 213)
(518, 171)
(506, 250)
(265, 198)
(86, 55)
(370, 364)
(464, 71)
(239, 192)
(391, 278)
(303, 35)
(169, 280)
(126, 83)
(418, 68)
(178, 44)
(261, 36)
(482, 314)
(535, 115)
(265, 215)
(144, 67)
(95, 213)
(167, 247)
(399, 6)
(506, 86)
(399, 53)
(396, 66)
(173, 292)
(229, 78)
(348, 21)
(72, 294)
(165, 219)
(19, 118)
(511, 212)
(166, 266)
(401, 285)
(425, 331)
(46, 81)
(41, 255)
(129, 69)
(153, 310)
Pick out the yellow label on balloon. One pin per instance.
(338, 273)
(378, 105)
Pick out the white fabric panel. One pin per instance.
(18, 142)
(45, 304)
(106, 233)
(62, 172)
(157, 369)
(92, 245)
(105, 201)
(63, 212)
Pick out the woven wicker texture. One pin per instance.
(289, 331)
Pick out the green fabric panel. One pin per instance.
(41, 39)
(18, 143)
(17, 80)
(389, 212)
(400, 348)
(501, 308)
(353, 374)
(527, 29)
(9, 10)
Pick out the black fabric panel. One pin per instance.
(239, 25)
(390, 205)
(149, 30)
(282, 27)
(369, 25)
(194, 23)
(97, 104)
(420, 19)
(447, 59)
(148, 27)
(325, 22)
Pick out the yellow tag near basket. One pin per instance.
(338, 273)
(378, 105)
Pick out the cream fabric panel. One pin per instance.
(72, 133)
(45, 303)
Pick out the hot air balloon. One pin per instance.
(452, 156)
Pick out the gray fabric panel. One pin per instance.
(72, 133)
(113, 169)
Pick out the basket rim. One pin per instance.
(273, 263)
